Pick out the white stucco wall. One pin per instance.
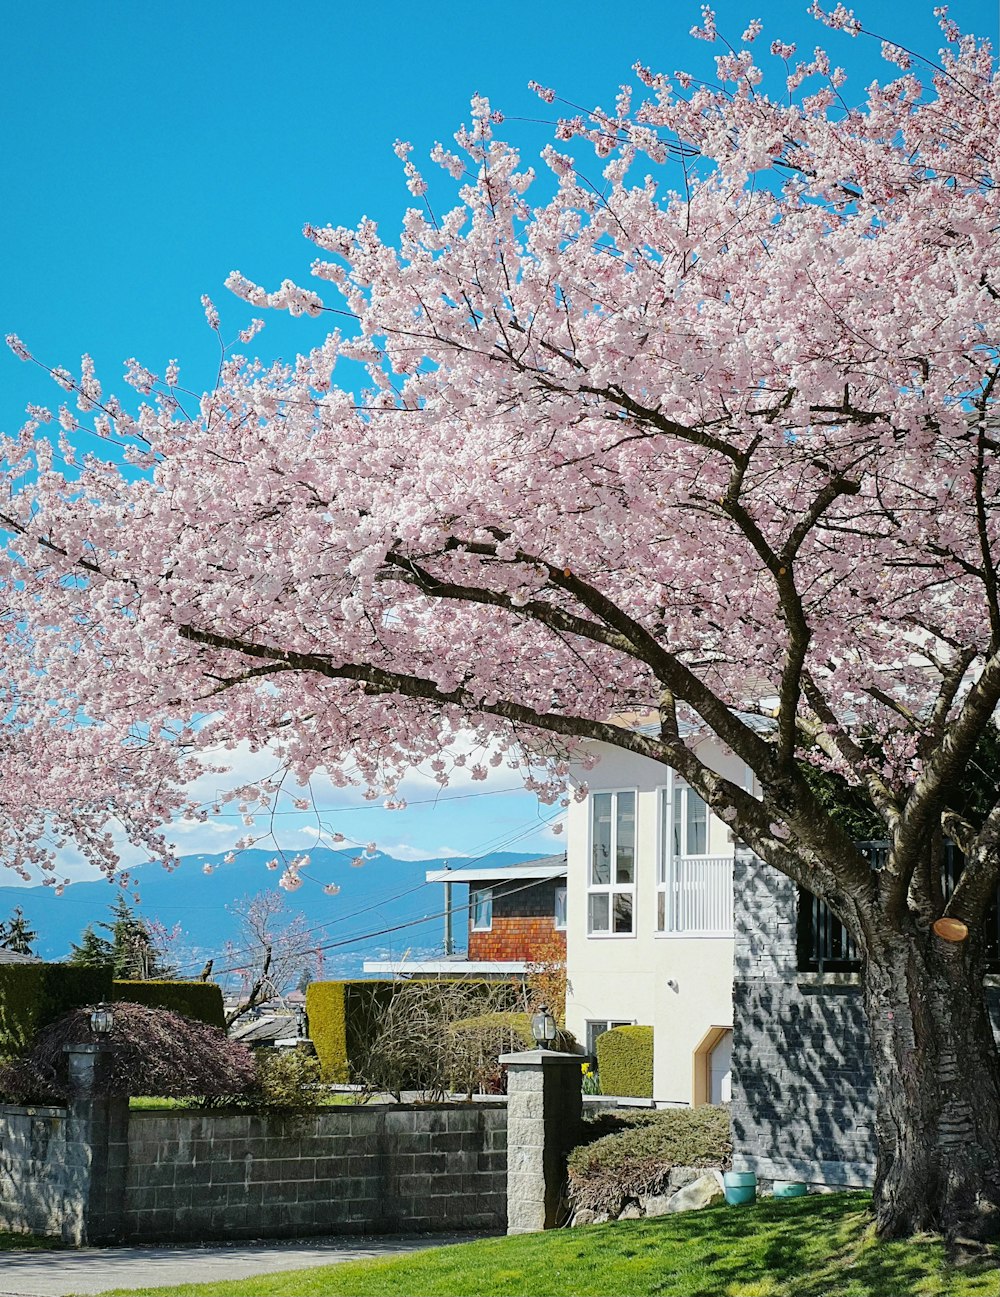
(679, 985)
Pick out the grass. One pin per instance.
(161, 1103)
(27, 1242)
(809, 1247)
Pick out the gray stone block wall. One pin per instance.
(803, 1092)
(544, 1116)
(32, 1169)
(341, 1170)
(803, 1089)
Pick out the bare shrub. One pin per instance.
(440, 1036)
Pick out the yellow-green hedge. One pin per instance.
(33, 995)
(625, 1062)
(340, 1016)
(199, 1000)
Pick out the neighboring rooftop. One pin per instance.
(12, 957)
(544, 867)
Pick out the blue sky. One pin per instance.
(151, 149)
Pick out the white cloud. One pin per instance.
(406, 851)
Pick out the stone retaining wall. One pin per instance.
(95, 1172)
(32, 1169)
(362, 1170)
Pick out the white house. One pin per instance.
(650, 918)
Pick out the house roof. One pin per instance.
(544, 867)
(256, 1031)
(760, 724)
(434, 967)
(12, 957)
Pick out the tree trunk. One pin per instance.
(937, 1088)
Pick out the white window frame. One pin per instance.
(560, 927)
(684, 789)
(665, 877)
(612, 888)
(609, 1025)
(474, 894)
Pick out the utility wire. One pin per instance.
(410, 923)
(493, 845)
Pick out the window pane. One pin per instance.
(697, 825)
(560, 907)
(661, 911)
(598, 918)
(600, 869)
(482, 909)
(623, 912)
(625, 843)
(678, 845)
(594, 1029)
(661, 862)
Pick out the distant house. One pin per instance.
(12, 957)
(515, 918)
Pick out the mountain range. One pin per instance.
(384, 909)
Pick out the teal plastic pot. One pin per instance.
(789, 1189)
(740, 1187)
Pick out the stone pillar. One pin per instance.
(544, 1114)
(96, 1151)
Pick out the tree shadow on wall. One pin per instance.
(803, 1084)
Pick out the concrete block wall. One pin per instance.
(803, 1088)
(340, 1170)
(32, 1169)
(803, 1091)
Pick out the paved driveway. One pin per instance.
(94, 1270)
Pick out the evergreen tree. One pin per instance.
(93, 951)
(131, 949)
(15, 934)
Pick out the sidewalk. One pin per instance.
(94, 1270)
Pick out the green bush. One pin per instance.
(287, 1080)
(627, 1155)
(625, 1062)
(201, 1001)
(478, 1042)
(34, 995)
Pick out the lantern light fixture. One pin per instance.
(543, 1026)
(101, 1020)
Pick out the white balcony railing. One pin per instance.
(699, 894)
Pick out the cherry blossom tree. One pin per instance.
(711, 431)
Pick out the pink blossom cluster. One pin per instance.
(627, 449)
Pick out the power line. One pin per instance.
(412, 923)
(493, 845)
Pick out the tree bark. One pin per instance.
(937, 1078)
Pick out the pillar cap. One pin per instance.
(541, 1058)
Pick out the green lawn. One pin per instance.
(21, 1242)
(810, 1247)
(159, 1103)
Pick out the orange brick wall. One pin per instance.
(517, 937)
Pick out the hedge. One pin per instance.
(199, 1000)
(625, 1062)
(34, 995)
(343, 1016)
